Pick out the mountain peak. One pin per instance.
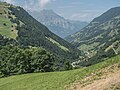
(58, 24)
(45, 14)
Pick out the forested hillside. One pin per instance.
(20, 27)
(101, 38)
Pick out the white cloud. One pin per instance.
(43, 3)
(83, 16)
(9, 1)
(79, 15)
(30, 4)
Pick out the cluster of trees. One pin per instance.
(6, 41)
(17, 60)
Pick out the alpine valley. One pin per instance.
(33, 57)
(101, 38)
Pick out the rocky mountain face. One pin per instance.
(57, 24)
(101, 38)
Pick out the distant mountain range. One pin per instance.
(57, 24)
(101, 38)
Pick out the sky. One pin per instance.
(83, 10)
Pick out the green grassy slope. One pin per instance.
(54, 80)
(7, 28)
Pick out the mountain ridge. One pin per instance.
(101, 38)
(56, 23)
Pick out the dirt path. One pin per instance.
(102, 84)
(110, 77)
(108, 80)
